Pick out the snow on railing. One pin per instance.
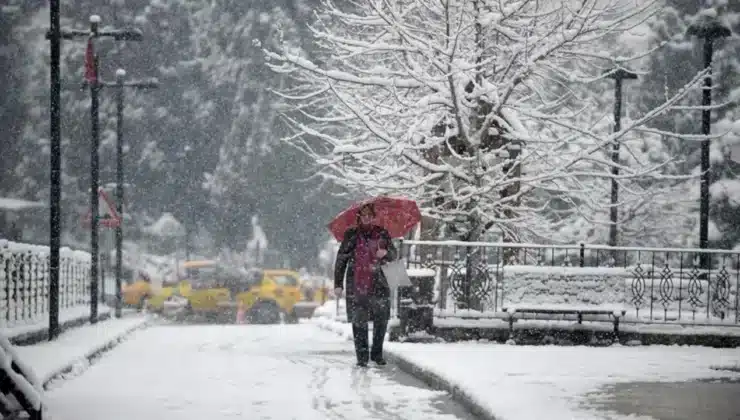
(660, 284)
(20, 388)
(24, 282)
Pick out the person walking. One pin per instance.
(364, 248)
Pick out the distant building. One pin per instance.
(22, 220)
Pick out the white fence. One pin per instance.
(24, 282)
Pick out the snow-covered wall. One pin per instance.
(24, 282)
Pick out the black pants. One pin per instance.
(360, 311)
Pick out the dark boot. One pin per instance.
(380, 361)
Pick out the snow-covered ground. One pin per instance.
(551, 382)
(65, 315)
(531, 383)
(73, 347)
(305, 372)
(276, 372)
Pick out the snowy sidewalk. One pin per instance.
(557, 383)
(275, 372)
(74, 346)
(37, 330)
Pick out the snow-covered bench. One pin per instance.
(613, 312)
(20, 389)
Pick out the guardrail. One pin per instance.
(692, 286)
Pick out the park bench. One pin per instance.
(614, 313)
(19, 389)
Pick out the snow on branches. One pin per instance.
(477, 109)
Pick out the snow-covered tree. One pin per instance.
(473, 108)
(327, 254)
(651, 211)
(676, 62)
(257, 246)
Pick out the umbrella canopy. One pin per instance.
(395, 214)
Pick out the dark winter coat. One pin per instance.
(345, 263)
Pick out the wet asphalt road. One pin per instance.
(700, 400)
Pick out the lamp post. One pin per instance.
(55, 165)
(709, 31)
(95, 87)
(94, 167)
(619, 75)
(55, 35)
(120, 85)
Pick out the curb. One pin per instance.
(91, 356)
(434, 381)
(440, 383)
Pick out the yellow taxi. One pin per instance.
(179, 289)
(218, 291)
(272, 293)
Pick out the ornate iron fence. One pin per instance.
(653, 284)
(24, 282)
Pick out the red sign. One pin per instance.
(109, 217)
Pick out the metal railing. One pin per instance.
(652, 284)
(24, 282)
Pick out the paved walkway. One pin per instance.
(706, 400)
(279, 372)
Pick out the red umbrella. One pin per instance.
(397, 215)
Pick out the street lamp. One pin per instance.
(55, 36)
(120, 84)
(619, 75)
(95, 86)
(55, 164)
(709, 31)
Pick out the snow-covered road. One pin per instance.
(279, 372)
